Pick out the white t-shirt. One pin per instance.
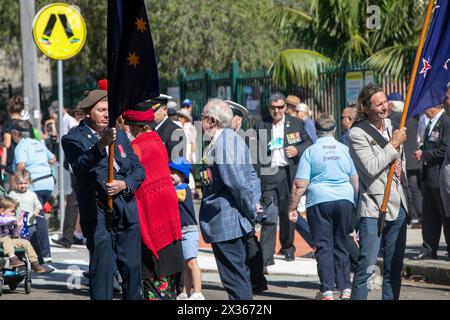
(191, 136)
(28, 201)
(68, 123)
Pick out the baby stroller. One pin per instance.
(13, 276)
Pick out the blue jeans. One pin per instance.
(392, 242)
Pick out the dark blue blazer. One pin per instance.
(90, 167)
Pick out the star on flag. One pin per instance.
(426, 67)
(133, 59)
(445, 64)
(140, 24)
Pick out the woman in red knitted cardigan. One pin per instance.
(159, 216)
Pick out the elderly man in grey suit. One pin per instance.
(374, 144)
(231, 191)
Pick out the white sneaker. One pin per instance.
(182, 296)
(327, 295)
(196, 296)
(346, 294)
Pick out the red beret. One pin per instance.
(136, 117)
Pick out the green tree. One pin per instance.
(210, 34)
(194, 34)
(336, 32)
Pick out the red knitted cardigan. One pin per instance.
(157, 202)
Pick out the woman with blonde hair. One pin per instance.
(304, 114)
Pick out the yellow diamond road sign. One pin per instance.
(59, 31)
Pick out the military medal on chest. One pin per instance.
(123, 155)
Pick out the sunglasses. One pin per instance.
(278, 107)
(205, 117)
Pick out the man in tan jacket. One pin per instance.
(374, 145)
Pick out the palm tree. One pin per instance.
(335, 32)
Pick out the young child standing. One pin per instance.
(27, 201)
(9, 236)
(180, 169)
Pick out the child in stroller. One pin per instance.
(9, 236)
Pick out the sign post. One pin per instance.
(59, 32)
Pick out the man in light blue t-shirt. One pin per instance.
(34, 156)
(328, 177)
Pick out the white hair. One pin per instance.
(303, 107)
(397, 106)
(172, 104)
(219, 110)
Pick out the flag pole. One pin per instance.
(108, 213)
(412, 80)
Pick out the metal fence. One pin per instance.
(333, 89)
(328, 93)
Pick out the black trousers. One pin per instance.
(70, 219)
(254, 261)
(277, 189)
(434, 219)
(415, 195)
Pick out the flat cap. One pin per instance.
(92, 98)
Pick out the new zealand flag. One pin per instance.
(132, 68)
(433, 75)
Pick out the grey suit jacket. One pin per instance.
(372, 164)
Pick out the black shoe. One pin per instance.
(309, 255)
(270, 262)
(62, 242)
(259, 289)
(289, 257)
(425, 255)
(78, 241)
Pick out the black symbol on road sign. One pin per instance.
(51, 25)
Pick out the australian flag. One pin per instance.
(433, 75)
(132, 68)
(24, 233)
